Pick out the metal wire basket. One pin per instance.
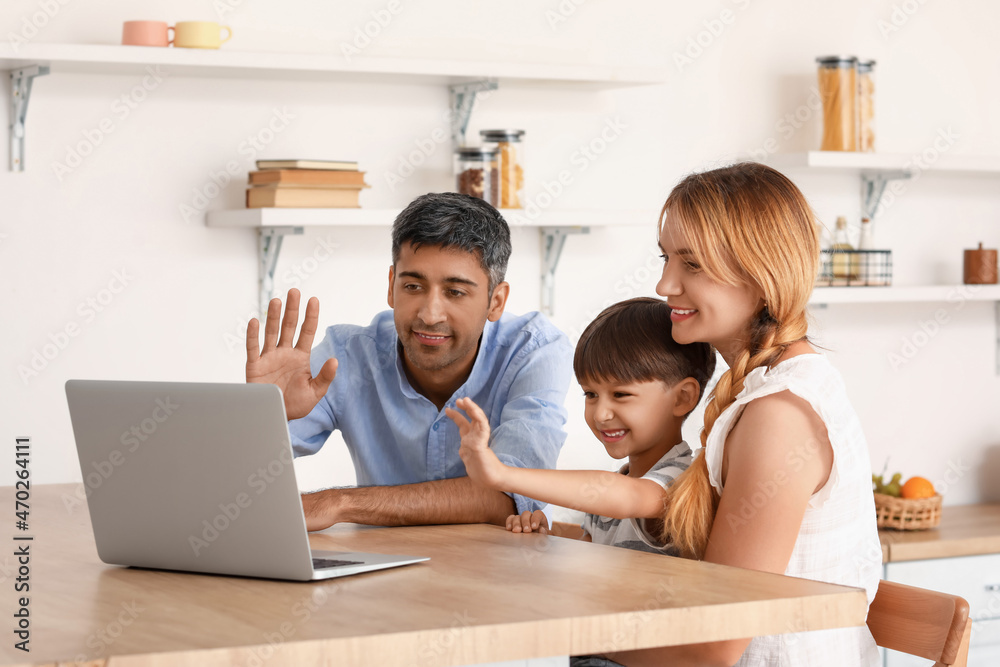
(855, 268)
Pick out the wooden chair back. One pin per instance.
(921, 622)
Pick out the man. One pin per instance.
(446, 337)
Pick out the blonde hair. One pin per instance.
(745, 224)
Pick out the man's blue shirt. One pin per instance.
(398, 436)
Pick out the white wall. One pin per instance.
(191, 289)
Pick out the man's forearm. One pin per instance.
(445, 501)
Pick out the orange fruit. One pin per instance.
(918, 487)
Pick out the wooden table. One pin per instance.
(486, 595)
(965, 530)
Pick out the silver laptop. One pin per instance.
(198, 477)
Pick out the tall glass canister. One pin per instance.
(838, 88)
(509, 178)
(866, 105)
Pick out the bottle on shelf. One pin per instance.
(844, 262)
(866, 241)
(865, 264)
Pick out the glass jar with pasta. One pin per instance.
(508, 176)
(838, 89)
(866, 105)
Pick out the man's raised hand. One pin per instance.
(287, 366)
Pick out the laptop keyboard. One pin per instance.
(324, 563)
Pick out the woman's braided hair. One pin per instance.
(746, 224)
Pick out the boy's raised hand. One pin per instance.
(287, 366)
(528, 522)
(481, 464)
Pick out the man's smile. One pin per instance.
(430, 339)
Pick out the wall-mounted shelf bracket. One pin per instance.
(553, 239)
(463, 97)
(20, 92)
(873, 187)
(268, 248)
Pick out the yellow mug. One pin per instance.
(200, 34)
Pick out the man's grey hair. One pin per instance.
(448, 219)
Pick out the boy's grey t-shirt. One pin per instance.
(632, 533)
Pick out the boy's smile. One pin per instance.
(635, 419)
(613, 436)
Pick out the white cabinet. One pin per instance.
(975, 578)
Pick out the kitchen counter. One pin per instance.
(965, 530)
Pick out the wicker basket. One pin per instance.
(907, 514)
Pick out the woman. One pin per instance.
(783, 483)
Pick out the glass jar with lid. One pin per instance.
(866, 105)
(509, 173)
(474, 172)
(838, 89)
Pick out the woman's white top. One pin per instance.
(838, 540)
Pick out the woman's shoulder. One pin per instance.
(796, 392)
(800, 416)
(804, 383)
(809, 369)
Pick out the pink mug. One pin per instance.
(146, 33)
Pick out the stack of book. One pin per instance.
(305, 184)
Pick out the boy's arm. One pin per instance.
(529, 430)
(597, 492)
(608, 494)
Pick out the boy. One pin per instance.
(639, 386)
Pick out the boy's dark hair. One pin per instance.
(448, 219)
(630, 341)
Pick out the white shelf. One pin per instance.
(553, 226)
(273, 224)
(851, 162)
(876, 169)
(464, 76)
(225, 63)
(374, 217)
(951, 294)
(914, 294)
